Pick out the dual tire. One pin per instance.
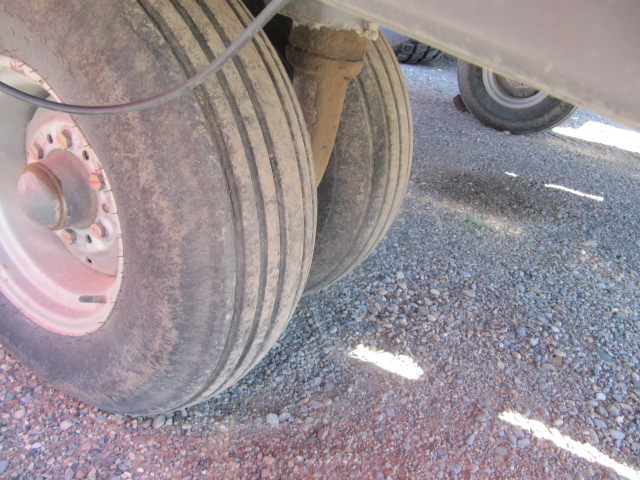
(216, 205)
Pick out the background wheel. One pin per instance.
(506, 104)
(413, 52)
(410, 51)
(362, 189)
(213, 196)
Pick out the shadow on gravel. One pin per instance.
(495, 194)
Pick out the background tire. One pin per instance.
(410, 51)
(216, 197)
(362, 189)
(413, 52)
(504, 104)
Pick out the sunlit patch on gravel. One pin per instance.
(399, 364)
(597, 198)
(597, 132)
(583, 450)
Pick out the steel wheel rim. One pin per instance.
(65, 280)
(510, 93)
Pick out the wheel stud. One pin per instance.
(63, 139)
(35, 152)
(68, 236)
(96, 181)
(99, 230)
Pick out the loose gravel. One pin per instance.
(508, 309)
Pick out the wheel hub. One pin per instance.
(55, 193)
(510, 93)
(61, 253)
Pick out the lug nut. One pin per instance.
(36, 152)
(99, 230)
(63, 139)
(96, 181)
(68, 236)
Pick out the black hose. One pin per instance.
(232, 50)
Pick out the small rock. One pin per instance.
(65, 425)
(322, 433)
(4, 464)
(617, 434)
(19, 413)
(533, 342)
(268, 460)
(502, 451)
(521, 331)
(159, 421)
(593, 436)
(459, 104)
(470, 439)
(601, 396)
(434, 292)
(607, 357)
(315, 404)
(283, 417)
(273, 419)
(523, 443)
(372, 310)
(333, 329)
(600, 424)
(469, 293)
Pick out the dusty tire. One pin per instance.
(214, 191)
(362, 189)
(503, 104)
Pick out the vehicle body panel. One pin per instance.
(582, 51)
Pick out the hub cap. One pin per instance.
(510, 93)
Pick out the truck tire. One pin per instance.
(209, 201)
(413, 52)
(363, 186)
(506, 104)
(408, 50)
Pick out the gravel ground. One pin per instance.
(508, 311)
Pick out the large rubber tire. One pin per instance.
(410, 51)
(364, 184)
(413, 52)
(488, 96)
(215, 195)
